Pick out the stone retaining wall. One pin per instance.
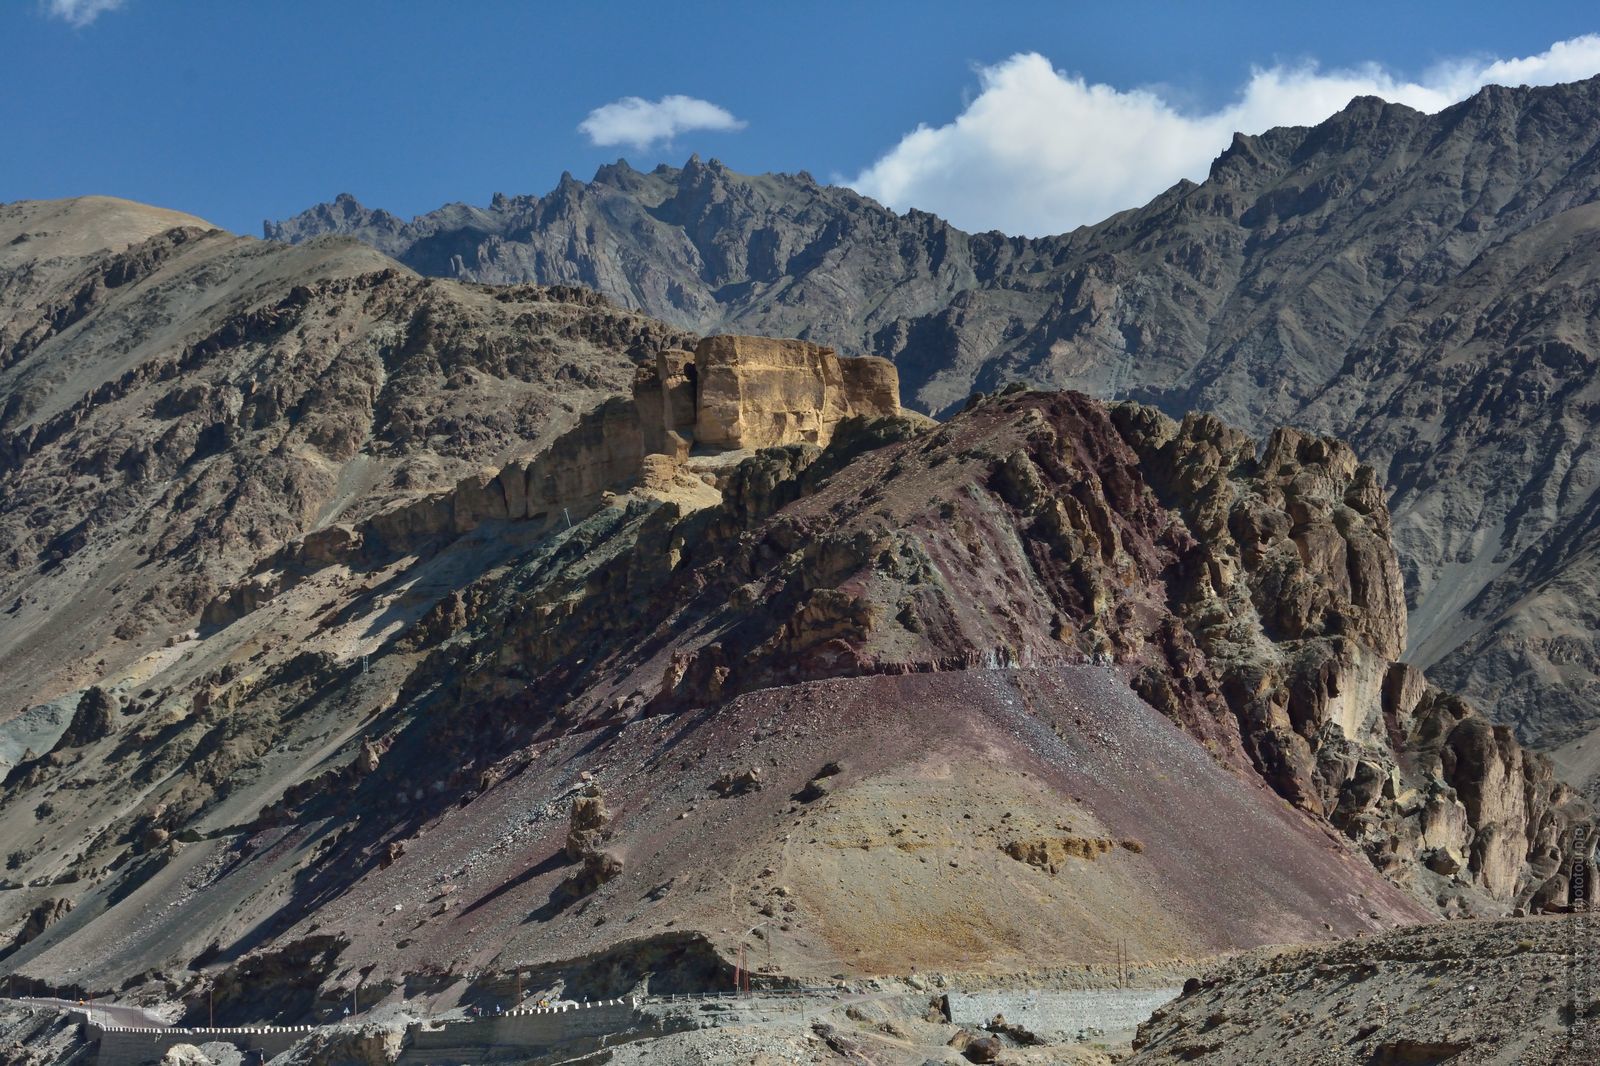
(516, 1033)
(1061, 1017)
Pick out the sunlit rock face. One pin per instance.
(755, 392)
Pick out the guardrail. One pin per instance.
(129, 1045)
(554, 1008)
(758, 993)
(175, 1030)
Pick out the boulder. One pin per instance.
(1445, 861)
(43, 915)
(367, 759)
(332, 544)
(589, 822)
(91, 720)
(738, 782)
(982, 1049)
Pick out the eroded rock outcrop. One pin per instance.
(92, 719)
(44, 914)
(757, 392)
(588, 822)
(1299, 536)
(731, 394)
(1249, 591)
(588, 830)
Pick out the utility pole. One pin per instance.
(211, 995)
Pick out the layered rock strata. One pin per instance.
(1250, 591)
(731, 395)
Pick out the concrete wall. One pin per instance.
(515, 1034)
(1063, 1016)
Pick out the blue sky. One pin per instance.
(1033, 118)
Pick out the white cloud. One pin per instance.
(1041, 151)
(79, 12)
(636, 121)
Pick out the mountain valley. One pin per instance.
(753, 625)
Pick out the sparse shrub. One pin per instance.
(44, 810)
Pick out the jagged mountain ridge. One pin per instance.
(715, 251)
(1420, 285)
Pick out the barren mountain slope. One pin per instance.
(980, 696)
(176, 402)
(1495, 993)
(1419, 285)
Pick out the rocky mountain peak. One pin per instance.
(620, 174)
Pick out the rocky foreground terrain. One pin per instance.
(398, 642)
(1421, 286)
(1517, 993)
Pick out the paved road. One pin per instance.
(101, 1013)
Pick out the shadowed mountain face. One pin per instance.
(1422, 286)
